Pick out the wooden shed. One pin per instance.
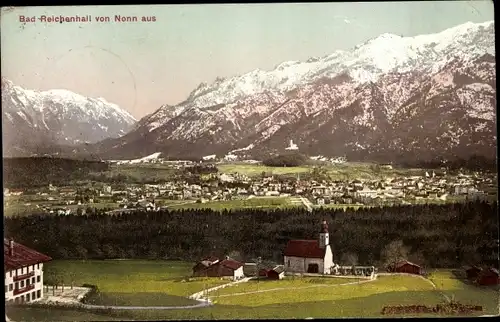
(407, 267)
(276, 273)
(263, 272)
(488, 277)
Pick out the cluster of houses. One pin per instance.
(223, 187)
(316, 257)
(299, 257)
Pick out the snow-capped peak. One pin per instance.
(62, 114)
(365, 63)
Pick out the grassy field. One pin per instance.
(345, 171)
(289, 283)
(253, 170)
(158, 281)
(118, 280)
(258, 202)
(465, 292)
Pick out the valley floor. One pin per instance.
(153, 283)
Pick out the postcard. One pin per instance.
(250, 161)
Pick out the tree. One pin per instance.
(236, 255)
(350, 259)
(417, 258)
(72, 276)
(50, 278)
(394, 252)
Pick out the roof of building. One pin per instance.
(279, 269)
(489, 272)
(210, 259)
(231, 263)
(305, 249)
(401, 263)
(22, 256)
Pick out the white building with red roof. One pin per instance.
(310, 256)
(23, 268)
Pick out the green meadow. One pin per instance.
(147, 283)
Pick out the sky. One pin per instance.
(143, 65)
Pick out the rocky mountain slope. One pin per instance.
(390, 97)
(34, 121)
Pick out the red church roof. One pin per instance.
(304, 248)
(22, 256)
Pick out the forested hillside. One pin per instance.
(435, 235)
(40, 171)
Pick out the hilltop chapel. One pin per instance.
(310, 256)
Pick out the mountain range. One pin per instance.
(41, 121)
(388, 98)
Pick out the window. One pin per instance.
(10, 287)
(38, 294)
(17, 300)
(28, 282)
(28, 297)
(10, 273)
(17, 286)
(38, 278)
(32, 280)
(22, 283)
(6, 288)
(37, 266)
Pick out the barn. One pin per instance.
(200, 268)
(406, 267)
(213, 267)
(488, 277)
(276, 273)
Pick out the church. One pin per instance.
(310, 256)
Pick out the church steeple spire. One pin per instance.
(324, 236)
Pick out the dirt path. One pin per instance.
(203, 303)
(296, 288)
(200, 295)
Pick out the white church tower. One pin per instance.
(324, 236)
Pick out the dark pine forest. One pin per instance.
(435, 235)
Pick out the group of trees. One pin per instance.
(40, 171)
(474, 163)
(286, 160)
(431, 235)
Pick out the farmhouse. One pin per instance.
(310, 256)
(23, 272)
(213, 267)
(406, 267)
(489, 277)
